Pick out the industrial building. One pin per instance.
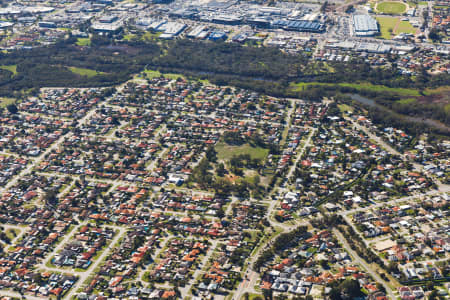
(217, 35)
(170, 29)
(4, 25)
(299, 25)
(196, 31)
(365, 25)
(47, 24)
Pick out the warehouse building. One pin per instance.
(365, 25)
(171, 29)
(298, 25)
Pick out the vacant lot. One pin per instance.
(389, 7)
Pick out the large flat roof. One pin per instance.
(365, 23)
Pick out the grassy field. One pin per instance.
(407, 101)
(129, 37)
(12, 233)
(387, 24)
(225, 152)
(255, 296)
(155, 74)
(11, 68)
(440, 90)
(83, 41)
(405, 27)
(6, 101)
(85, 72)
(390, 7)
(345, 108)
(392, 26)
(147, 36)
(152, 74)
(360, 86)
(447, 108)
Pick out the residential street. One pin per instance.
(363, 263)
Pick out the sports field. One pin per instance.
(391, 8)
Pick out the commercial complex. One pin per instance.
(365, 25)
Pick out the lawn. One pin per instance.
(380, 88)
(440, 90)
(387, 24)
(155, 74)
(12, 233)
(129, 37)
(225, 151)
(345, 108)
(11, 68)
(405, 27)
(83, 41)
(255, 296)
(152, 74)
(392, 25)
(359, 86)
(6, 101)
(407, 101)
(390, 7)
(447, 108)
(85, 72)
(147, 36)
(173, 76)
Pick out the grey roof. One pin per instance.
(365, 23)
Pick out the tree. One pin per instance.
(380, 287)
(324, 7)
(392, 267)
(211, 154)
(351, 288)
(434, 35)
(50, 198)
(220, 170)
(233, 138)
(12, 108)
(335, 294)
(433, 295)
(267, 294)
(37, 278)
(349, 9)
(220, 213)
